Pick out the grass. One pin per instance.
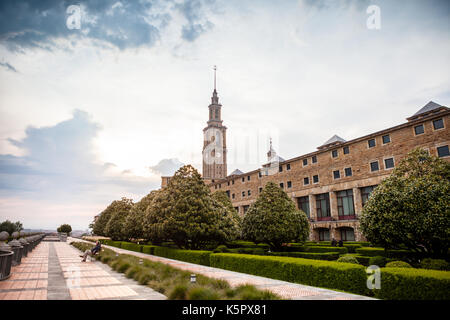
(175, 283)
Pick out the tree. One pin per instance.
(65, 228)
(273, 219)
(133, 227)
(185, 212)
(230, 222)
(411, 208)
(11, 227)
(115, 225)
(99, 227)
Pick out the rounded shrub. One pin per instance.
(221, 249)
(435, 264)
(131, 272)
(398, 264)
(123, 266)
(145, 276)
(201, 293)
(377, 261)
(178, 293)
(348, 259)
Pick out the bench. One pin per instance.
(91, 256)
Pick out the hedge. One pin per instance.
(148, 249)
(351, 247)
(307, 255)
(131, 246)
(371, 252)
(193, 256)
(364, 260)
(413, 284)
(326, 274)
(246, 244)
(340, 250)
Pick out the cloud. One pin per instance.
(8, 66)
(166, 167)
(121, 24)
(60, 164)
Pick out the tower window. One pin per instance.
(217, 114)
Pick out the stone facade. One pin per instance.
(330, 183)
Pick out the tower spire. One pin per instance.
(215, 98)
(215, 69)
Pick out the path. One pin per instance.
(286, 290)
(54, 271)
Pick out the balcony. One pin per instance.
(352, 217)
(324, 218)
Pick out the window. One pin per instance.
(243, 179)
(336, 174)
(347, 234)
(281, 169)
(249, 193)
(438, 124)
(305, 181)
(346, 150)
(388, 163)
(233, 196)
(303, 204)
(345, 203)
(232, 181)
(215, 186)
(324, 235)
(248, 178)
(334, 153)
(220, 186)
(305, 162)
(323, 205)
(365, 194)
(237, 209)
(348, 172)
(243, 193)
(316, 178)
(289, 184)
(386, 139)
(419, 129)
(314, 159)
(260, 189)
(228, 183)
(228, 193)
(443, 151)
(259, 174)
(288, 166)
(374, 166)
(217, 114)
(282, 185)
(371, 143)
(246, 209)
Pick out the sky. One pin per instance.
(98, 99)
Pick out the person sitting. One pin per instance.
(341, 243)
(92, 251)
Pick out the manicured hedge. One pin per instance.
(340, 250)
(193, 256)
(327, 274)
(308, 255)
(131, 246)
(371, 252)
(364, 260)
(351, 247)
(148, 249)
(246, 244)
(413, 284)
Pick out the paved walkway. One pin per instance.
(54, 271)
(286, 290)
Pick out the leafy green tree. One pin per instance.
(133, 227)
(115, 226)
(230, 223)
(99, 227)
(65, 228)
(11, 227)
(185, 212)
(411, 208)
(274, 219)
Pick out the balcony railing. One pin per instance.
(324, 218)
(352, 217)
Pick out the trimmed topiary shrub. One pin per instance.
(364, 260)
(348, 259)
(398, 264)
(193, 256)
(351, 247)
(377, 261)
(435, 264)
(327, 274)
(131, 246)
(148, 249)
(308, 255)
(221, 249)
(413, 284)
(340, 250)
(371, 252)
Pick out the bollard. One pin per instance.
(17, 249)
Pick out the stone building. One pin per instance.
(332, 183)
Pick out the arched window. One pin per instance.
(217, 114)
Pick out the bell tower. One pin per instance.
(214, 141)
